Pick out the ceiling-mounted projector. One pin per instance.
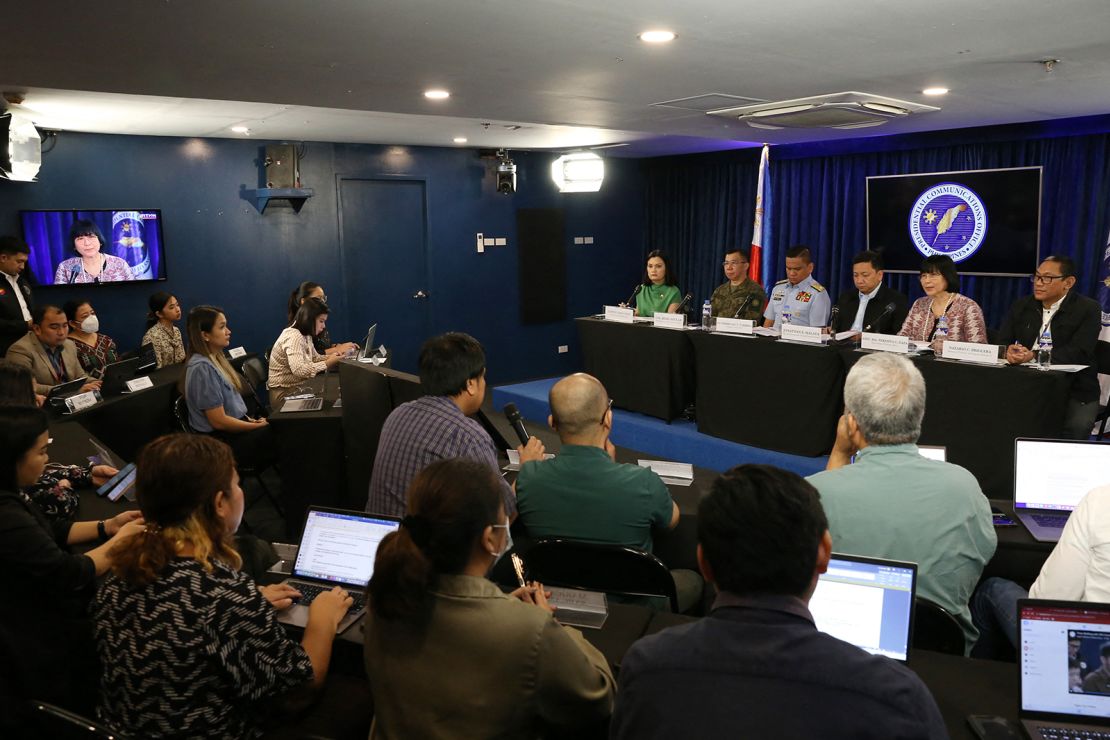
(20, 147)
(846, 110)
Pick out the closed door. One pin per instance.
(384, 237)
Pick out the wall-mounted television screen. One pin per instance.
(987, 221)
(94, 246)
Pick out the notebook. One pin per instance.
(1050, 478)
(1064, 678)
(867, 602)
(337, 548)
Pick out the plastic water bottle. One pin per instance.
(785, 317)
(942, 328)
(706, 315)
(1044, 349)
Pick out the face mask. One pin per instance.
(508, 541)
(91, 324)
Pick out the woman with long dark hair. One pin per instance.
(293, 358)
(161, 330)
(322, 341)
(90, 265)
(447, 653)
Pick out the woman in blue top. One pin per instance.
(213, 392)
(659, 292)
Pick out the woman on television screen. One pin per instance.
(95, 350)
(90, 265)
(161, 332)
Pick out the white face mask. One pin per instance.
(508, 541)
(91, 324)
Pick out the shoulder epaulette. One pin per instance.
(817, 286)
(781, 281)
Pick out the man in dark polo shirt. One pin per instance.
(757, 666)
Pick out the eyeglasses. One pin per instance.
(732, 263)
(1046, 279)
(607, 410)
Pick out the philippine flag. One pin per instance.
(761, 224)
(1104, 299)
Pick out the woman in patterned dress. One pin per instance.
(161, 332)
(95, 351)
(90, 265)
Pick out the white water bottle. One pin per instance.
(942, 327)
(706, 314)
(1044, 349)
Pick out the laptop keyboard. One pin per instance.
(309, 592)
(1059, 733)
(1050, 520)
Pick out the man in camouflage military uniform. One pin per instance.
(730, 296)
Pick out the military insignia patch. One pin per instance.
(804, 297)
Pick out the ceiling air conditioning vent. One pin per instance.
(845, 110)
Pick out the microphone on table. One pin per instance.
(887, 310)
(632, 297)
(834, 314)
(685, 302)
(747, 302)
(512, 413)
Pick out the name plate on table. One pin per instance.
(81, 401)
(139, 384)
(236, 353)
(986, 354)
(795, 333)
(885, 342)
(735, 326)
(670, 320)
(616, 313)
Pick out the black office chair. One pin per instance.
(615, 569)
(181, 414)
(935, 628)
(47, 720)
(256, 371)
(1102, 363)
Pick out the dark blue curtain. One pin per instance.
(697, 204)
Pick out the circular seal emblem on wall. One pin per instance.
(948, 219)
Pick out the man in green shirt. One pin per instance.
(740, 291)
(893, 503)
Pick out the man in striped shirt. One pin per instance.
(438, 426)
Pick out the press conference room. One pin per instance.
(631, 370)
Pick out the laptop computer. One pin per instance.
(1050, 478)
(337, 548)
(933, 452)
(117, 374)
(1064, 678)
(367, 349)
(302, 404)
(62, 391)
(148, 358)
(867, 602)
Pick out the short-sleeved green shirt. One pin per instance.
(583, 495)
(727, 298)
(655, 299)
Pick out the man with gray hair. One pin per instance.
(892, 503)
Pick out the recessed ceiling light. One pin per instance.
(935, 91)
(657, 37)
(459, 139)
(436, 94)
(240, 129)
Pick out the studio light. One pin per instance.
(21, 153)
(581, 172)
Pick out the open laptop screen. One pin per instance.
(1056, 474)
(932, 452)
(1063, 671)
(867, 602)
(340, 546)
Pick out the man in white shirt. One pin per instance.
(15, 292)
(1078, 569)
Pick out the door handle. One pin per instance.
(419, 294)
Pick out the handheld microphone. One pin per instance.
(834, 314)
(512, 413)
(747, 302)
(887, 310)
(685, 302)
(635, 293)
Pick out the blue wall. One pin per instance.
(221, 250)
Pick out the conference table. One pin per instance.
(788, 396)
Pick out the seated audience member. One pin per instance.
(893, 503)
(584, 494)
(659, 291)
(757, 666)
(161, 330)
(44, 621)
(865, 308)
(95, 351)
(1098, 681)
(190, 646)
(438, 425)
(46, 353)
(1072, 324)
(293, 358)
(15, 291)
(322, 341)
(740, 292)
(799, 298)
(213, 391)
(447, 653)
(942, 297)
(1078, 569)
(90, 265)
(55, 491)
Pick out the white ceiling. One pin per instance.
(569, 73)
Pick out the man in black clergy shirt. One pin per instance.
(757, 666)
(867, 274)
(1073, 322)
